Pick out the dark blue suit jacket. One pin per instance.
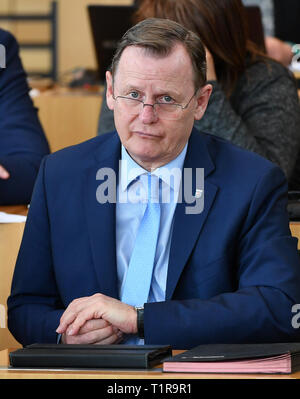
(22, 140)
(233, 274)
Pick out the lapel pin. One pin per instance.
(198, 193)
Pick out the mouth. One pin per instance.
(145, 135)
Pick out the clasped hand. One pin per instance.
(97, 319)
(3, 173)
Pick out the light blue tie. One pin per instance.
(139, 275)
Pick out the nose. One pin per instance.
(148, 114)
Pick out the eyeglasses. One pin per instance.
(134, 106)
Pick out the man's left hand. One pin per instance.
(98, 306)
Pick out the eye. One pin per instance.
(166, 100)
(133, 94)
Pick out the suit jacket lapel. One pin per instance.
(101, 216)
(187, 227)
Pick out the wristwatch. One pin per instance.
(140, 320)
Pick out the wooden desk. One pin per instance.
(10, 239)
(295, 230)
(156, 373)
(68, 116)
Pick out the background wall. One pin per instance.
(75, 39)
(75, 46)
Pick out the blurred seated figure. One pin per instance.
(22, 140)
(254, 103)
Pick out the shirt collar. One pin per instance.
(131, 171)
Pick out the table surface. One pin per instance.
(7, 372)
(69, 116)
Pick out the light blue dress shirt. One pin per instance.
(130, 208)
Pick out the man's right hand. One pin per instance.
(3, 173)
(95, 331)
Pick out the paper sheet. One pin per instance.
(11, 218)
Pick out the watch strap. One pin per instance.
(140, 321)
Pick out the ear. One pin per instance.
(109, 91)
(202, 101)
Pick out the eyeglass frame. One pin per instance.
(183, 107)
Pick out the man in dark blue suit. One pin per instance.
(226, 269)
(22, 140)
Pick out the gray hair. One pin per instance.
(158, 37)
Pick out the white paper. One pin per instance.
(295, 66)
(11, 218)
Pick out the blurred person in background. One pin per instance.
(22, 140)
(254, 102)
(281, 26)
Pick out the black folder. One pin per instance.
(89, 356)
(282, 358)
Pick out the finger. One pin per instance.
(112, 339)
(103, 335)
(65, 322)
(93, 324)
(70, 314)
(106, 334)
(85, 309)
(78, 322)
(3, 173)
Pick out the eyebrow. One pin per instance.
(171, 92)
